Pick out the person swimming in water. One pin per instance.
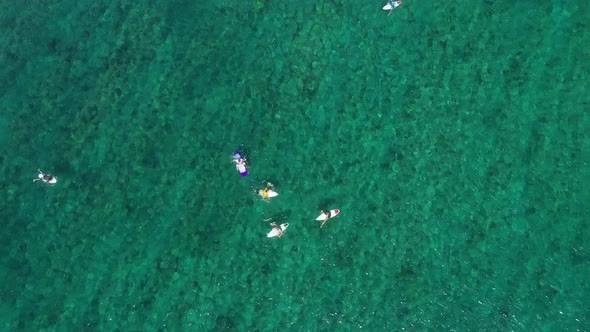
(47, 178)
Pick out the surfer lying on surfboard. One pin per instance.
(277, 228)
(267, 192)
(240, 163)
(326, 215)
(47, 178)
(391, 5)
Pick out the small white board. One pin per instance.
(333, 213)
(275, 232)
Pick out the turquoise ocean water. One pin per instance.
(453, 135)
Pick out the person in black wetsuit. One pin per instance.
(47, 178)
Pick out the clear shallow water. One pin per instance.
(453, 137)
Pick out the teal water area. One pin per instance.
(453, 135)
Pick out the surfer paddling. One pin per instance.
(267, 192)
(391, 5)
(47, 178)
(327, 215)
(240, 163)
(277, 228)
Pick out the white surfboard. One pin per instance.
(275, 232)
(388, 6)
(271, 193)
(333, 213)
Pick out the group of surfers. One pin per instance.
(268, 192)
